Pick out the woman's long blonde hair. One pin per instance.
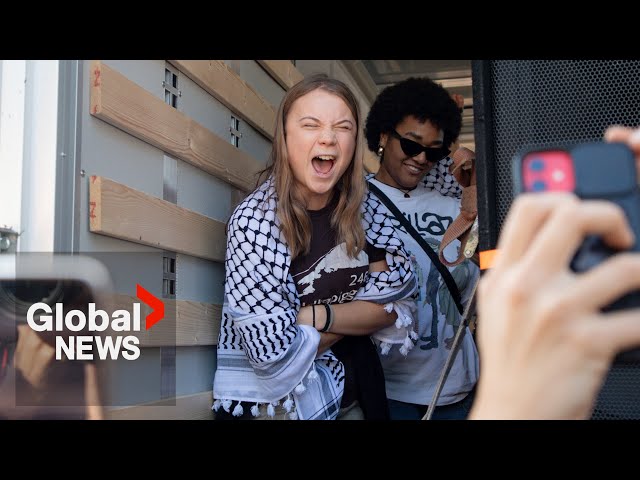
(294, 219)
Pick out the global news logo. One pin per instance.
(40, 317)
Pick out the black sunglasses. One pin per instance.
(411, 148)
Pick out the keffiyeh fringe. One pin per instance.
(401, 333)
(251, 315)
(288, 403)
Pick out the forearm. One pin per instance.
(352, 318)
(360, 318)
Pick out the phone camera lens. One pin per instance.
(539, 186)
(537, 165)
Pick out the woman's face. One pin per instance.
(321, 140)
(399, 169)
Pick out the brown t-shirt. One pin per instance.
(328, 275)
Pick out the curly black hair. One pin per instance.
(420, 97)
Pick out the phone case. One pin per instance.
(596, 170)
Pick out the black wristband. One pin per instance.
(313, 312)
(328, 321)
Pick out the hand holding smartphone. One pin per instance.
(603, 171)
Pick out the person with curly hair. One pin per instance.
(411, 126)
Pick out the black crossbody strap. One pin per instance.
(444, 271)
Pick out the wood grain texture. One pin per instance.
(282, 71)
(122, 212)
(185, 323)
(122, 103)
(220, 81)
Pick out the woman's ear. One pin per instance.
(383, 140)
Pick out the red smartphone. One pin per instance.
(595, 170)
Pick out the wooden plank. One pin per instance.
(282, 71)
(125, 105)
(122, 212)
(186, 323)
(187, 407)
(198, 323)
(371, 162)
(220, 81)
(362, 79)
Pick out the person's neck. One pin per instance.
(318, 202)
(383, 177)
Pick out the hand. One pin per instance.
(40, 374)
(459, 99)
(33, 357)
(545, 347)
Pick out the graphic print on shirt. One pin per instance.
(436, 294)
(333, 269)
(462, 276)
(429, 224)
(432, 286)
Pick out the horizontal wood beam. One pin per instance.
(186, 323)
(282, 71)
(122, 103)
(362, 78)
(220, 81)
(122, 212)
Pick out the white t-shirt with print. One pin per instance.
(413, 378)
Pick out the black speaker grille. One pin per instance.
(548, 102)
(620, 395)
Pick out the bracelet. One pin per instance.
(329, 321)
(313, 313)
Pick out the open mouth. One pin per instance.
(323, 164)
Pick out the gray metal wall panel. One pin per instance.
(133, 382)
(148, 74)
(128, 269)
(210, 113)
(254, 143)
(110, 152)
(199, 280)
(203, 108)
(252, 73)
(195, 367)
(203, 193)
(107, 151)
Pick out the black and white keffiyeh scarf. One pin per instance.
(442, 180)
(263, 355)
